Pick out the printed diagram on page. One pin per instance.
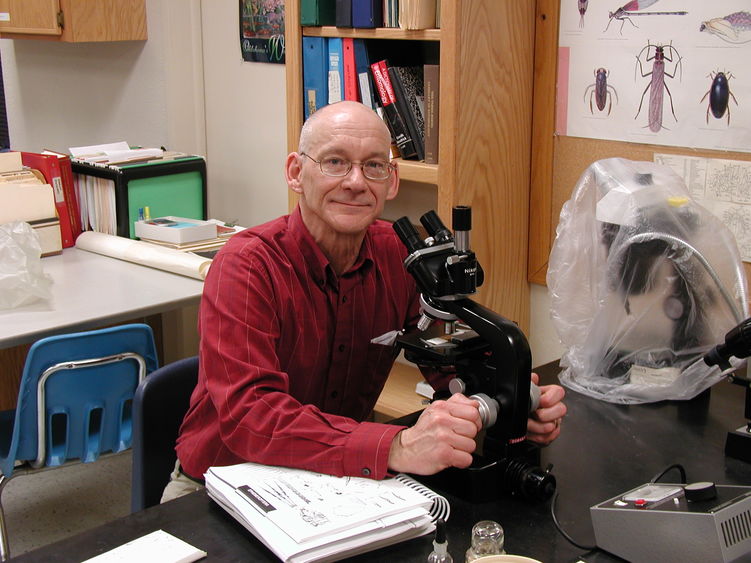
(666, 72)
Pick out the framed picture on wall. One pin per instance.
(262, 31)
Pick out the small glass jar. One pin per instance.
(487, 539)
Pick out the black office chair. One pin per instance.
(159, 405)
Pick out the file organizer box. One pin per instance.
(175, 187)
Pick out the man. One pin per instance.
(288, 372)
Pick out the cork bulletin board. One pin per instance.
(558, 161)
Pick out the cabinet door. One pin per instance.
(38, 17)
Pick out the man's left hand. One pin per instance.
(544, 425)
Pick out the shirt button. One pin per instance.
(341, 347)
(344, 299)
(334, 394)
(365, 472)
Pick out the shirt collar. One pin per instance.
(316, 259)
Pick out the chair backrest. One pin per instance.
(75, 397)
(160, 403)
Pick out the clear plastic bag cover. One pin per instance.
(643, 282)
(22, 279)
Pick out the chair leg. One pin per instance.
(4, 546)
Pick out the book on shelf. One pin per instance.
(432, 99)
(315, 73)
(317, 12)
(303, 516)
(394, 119)
(49, 167)
(417, 14)
(409, 92)
(367, 13)
(335, 49)
(351, 91)
(343, 13)
(391, 13)
(364, 78)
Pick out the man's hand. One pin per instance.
(544, 424)
(444, 436)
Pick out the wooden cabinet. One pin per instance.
(487, 58)
(73, 20)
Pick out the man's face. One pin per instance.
(344, 205)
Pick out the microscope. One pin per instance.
(488, 354)
(737, 344)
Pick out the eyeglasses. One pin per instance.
(372, 169)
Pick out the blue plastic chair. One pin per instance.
(74, 402)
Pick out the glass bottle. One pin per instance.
(487, 539)
(440, 552)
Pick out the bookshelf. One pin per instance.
(486, 54)
(73, 20)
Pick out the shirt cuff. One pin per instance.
(367, 450)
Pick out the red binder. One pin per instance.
(351, 91)
(50, 166)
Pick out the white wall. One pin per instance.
(186, 88)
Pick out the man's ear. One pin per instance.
(293, 172)
(394, 187)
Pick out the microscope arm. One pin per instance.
(508, 375)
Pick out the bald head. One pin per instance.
(346, 114)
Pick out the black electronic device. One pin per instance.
(737, 344)
(488, 353)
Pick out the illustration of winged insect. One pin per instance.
(733, 28)
(634, 8)
(601, 91)
(657, 86)
(719, 95)
(582, 10)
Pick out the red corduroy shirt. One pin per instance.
(287, 368)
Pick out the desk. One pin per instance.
(89, 291)
(604, 450)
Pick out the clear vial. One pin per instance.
(440, 552)
(487, 539)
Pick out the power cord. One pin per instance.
(677, 466)
(585, 547)
(562, 531)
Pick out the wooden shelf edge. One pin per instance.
(414, 171)
(377, 33)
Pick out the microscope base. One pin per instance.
(487, 479)
(738, 444)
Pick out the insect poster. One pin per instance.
(664, 72)
(262, 30)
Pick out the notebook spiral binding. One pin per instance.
(440, 508)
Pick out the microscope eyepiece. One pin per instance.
(461, 218)
(436, 228)
(407, 233)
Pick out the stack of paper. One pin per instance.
(305, 516)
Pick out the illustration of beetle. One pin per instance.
(601, 91)
(719, 95)
(657, 85)
(733, 28)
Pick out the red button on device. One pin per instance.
(640, 503)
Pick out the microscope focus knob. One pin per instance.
(488, 409)
(457, 385)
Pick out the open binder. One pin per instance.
(303, 516)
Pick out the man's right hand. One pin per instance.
(444, 436)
